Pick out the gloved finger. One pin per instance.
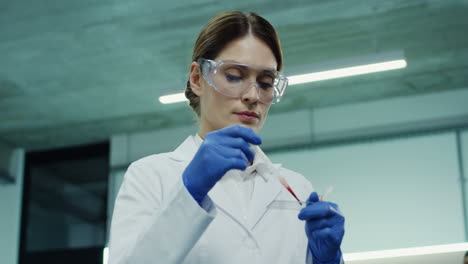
(228, 152)
(313, 225)
(209, 152)
(334, 236)
(337, 209)
(235, 163)
(239, 143)
(318, 210)
(220, 164)
(313, 198)
(243, 132)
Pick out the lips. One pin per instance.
(248, 113)
(248, 116)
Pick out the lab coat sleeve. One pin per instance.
(150, 226)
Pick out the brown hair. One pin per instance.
(224, 28)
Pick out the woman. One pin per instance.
(208, 201)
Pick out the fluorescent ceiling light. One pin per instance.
(404, 252)
(172, 98)
(345, 72)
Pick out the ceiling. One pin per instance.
(77, 72)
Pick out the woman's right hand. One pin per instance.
(221, 151)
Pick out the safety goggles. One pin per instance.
(236, 79)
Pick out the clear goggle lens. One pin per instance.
(235, 79)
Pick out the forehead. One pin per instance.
(249, 50)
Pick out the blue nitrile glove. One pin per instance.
(324, 228)
(222, 150)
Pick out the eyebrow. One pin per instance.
(268, 73)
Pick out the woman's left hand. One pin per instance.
(324, 228)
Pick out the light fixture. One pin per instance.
(330, 70)
(406, 252)
(345, 72)
(377, 62)
(172, 98)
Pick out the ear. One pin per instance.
(196, 79)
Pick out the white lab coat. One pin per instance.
(156, 220)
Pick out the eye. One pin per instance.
(232, 78)
(266, 82)
(265, 85)
(232, 73)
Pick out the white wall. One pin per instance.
(394, 193)
(10, 205)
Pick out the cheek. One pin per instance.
(265, 111)
(265, 115)
(217, 106)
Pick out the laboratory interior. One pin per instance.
(375, 115)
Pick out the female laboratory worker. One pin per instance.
(209, 200)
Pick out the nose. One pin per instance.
(251, 94)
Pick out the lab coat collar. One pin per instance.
(267, 187)
(266, 190)
(265, 168)
(185, 151)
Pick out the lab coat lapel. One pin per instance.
(222, 199)
(265, 192)
(267, 188)
(184, 153)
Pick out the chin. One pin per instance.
(255, 128)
